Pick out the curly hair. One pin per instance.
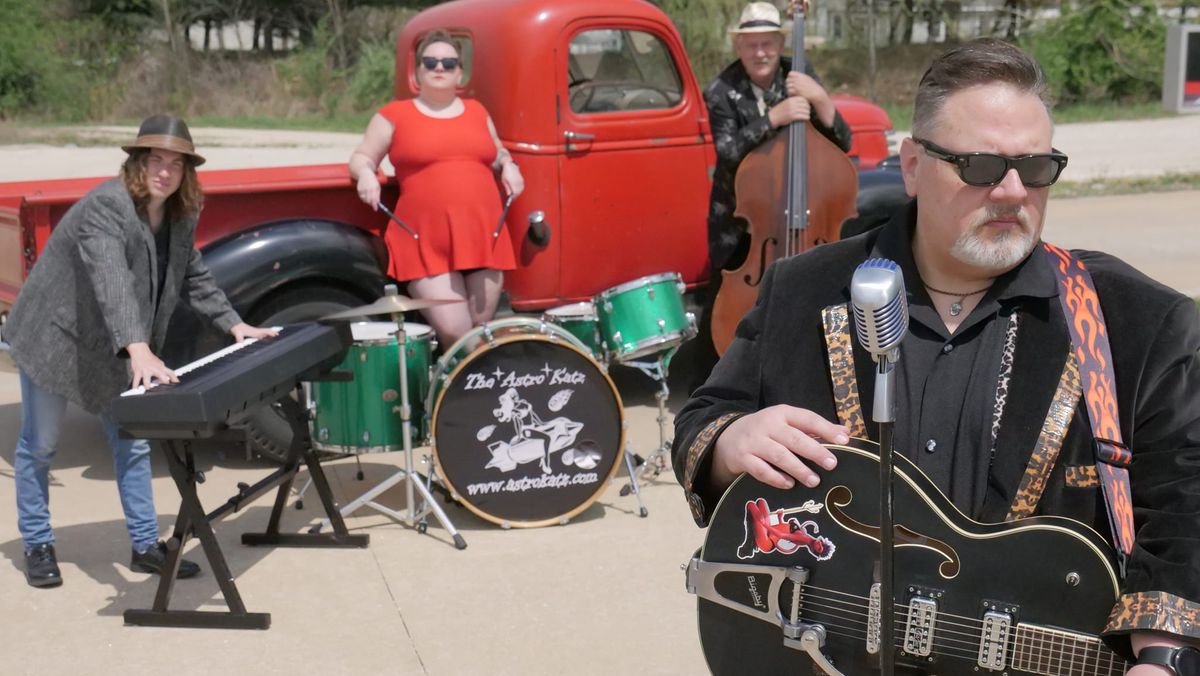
(185, 202)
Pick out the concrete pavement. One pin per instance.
(1097, 149)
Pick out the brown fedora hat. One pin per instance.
(165, 133)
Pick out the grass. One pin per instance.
(20, 130)
(346, 122)
(901, 114)
(1126, 186)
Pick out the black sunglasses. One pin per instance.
(431, 62)
(989, 169)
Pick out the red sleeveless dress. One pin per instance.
(448, 194)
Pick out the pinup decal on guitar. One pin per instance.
(775, 531)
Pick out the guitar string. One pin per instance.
(1073, 652)
(899, 617)
(970, 622)
(968, 647)
(1085, 668)
(901, 610)
(970, 643)
(972, 655)
(1102, 653)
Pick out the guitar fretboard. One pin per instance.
(1053, 652)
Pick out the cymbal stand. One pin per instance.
(657, 462)
(409, 475)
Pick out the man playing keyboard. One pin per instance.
(90, 319)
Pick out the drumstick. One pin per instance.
(503, 215)
(398, 221)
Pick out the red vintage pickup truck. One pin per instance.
(595, 99)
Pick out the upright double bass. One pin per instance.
(794, 191)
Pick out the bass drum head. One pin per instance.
(527, 430)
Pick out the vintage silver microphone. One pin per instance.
(881, 321)
(881, 317)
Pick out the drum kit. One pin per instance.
(523, 424)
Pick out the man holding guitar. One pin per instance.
(751, 101)
(1000, 396)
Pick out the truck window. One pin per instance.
(614, 69)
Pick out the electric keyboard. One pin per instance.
(223, 388)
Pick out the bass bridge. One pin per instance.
(755, 591)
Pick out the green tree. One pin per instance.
(1103, 50)
(23, 45)
(704, 26)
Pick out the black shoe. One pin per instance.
(41, 566)
(154, 560)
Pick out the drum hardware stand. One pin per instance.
(193, 521)
(657, 462)
(309, 410)
(358, 474)
(409, 475)
(631, 467)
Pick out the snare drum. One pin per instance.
(644, 316)
(527, 429)
(363, 415)
(579, 319)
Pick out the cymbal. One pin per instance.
(389, 305)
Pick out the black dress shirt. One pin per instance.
(947, 381)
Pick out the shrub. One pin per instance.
(1103, 50)
(22, 56)
(310, 72)
(372, 77)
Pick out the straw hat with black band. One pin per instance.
(165, 132)
(760, 17)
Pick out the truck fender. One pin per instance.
(255, 265)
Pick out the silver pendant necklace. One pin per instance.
(956, 307)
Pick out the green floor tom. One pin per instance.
(363, 415)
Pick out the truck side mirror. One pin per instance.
(539, 229)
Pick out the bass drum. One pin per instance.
(527, 428)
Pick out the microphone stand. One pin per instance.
(883, 413)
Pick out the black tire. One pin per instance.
(268, 431)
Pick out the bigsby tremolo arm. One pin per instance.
(809, 638)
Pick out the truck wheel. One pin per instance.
(268, 430)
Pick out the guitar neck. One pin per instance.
(1054, 652)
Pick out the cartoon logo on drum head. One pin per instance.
(777, 531)
(534, 438)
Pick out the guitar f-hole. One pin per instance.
(840, 497)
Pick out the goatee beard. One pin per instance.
(1004, 249)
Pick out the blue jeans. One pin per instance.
(41, 420)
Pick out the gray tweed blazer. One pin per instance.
(92, 292)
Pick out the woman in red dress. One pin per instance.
(445, 151)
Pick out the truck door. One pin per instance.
(634, 167)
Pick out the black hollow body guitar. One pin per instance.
(788, 579)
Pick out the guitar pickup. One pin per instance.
(993, 640)
(918, 632)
